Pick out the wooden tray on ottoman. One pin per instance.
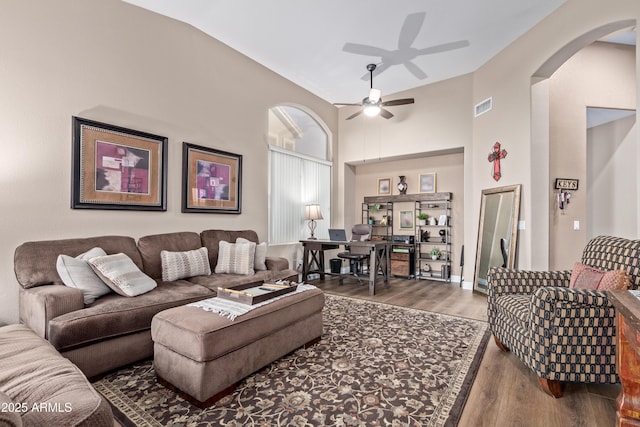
(257, 292)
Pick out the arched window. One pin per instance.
(300, 174)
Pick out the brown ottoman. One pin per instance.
(205, 354)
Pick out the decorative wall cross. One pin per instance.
(495, 157)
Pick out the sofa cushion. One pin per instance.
(35, 262)
(236, 258)
(151, 246)
(212, 238)
(259, 260)
(179, 265)
(586, 277)
(77, 273)
(122, 275)
(114, 315)
(34, 373)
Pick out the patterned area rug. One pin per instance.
(376, 365)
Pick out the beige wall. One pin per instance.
(449, 169)
(113, 62)
(442, 118)
(110, 61)
(508, 77)
(438, 122)
(612, 174)
(600, 75)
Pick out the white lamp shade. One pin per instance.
(312, 212)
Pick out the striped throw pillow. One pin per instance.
(178, 265)
(122, 275)
(236, 258)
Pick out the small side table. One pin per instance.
(627, 357)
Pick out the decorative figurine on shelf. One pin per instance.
(443, 235)
(425, 236)
(402, 185)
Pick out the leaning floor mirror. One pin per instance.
(497, 232)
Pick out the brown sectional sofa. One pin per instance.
(114, 330)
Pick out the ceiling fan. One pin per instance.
(405, 53)
(372, 104)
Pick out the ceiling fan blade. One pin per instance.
(363, 49)
(395, 102)
(347, 103)
(354, 115)
(443, 47)
(415, 70)
(410, 29)
(385, 113)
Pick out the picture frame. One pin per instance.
(384, 186)
(406, 219)
(117, 168)
(427, 182)
(211, 180)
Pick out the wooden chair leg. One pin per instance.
(500, 345)
(552, 387)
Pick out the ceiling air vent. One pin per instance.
(484, 106)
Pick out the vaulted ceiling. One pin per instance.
(324, 46)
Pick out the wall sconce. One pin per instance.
(311, 214)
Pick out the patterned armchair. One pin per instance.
(562, 334)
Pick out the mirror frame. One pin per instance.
(515, 215)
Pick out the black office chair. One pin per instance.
(357, 256)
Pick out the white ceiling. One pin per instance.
(303, 40)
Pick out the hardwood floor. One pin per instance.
(505, 392)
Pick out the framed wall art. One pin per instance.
(427, 182)
(117, 168)
(406, 219)
(384, 186)
(211, 180)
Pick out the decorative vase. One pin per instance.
(432, 221)
(434, 257)
(402, 185)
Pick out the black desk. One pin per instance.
(378, 258)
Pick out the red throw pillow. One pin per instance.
(586, 277)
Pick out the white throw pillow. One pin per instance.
(178, 265)
(77, 273)
(236, 258)
(259, 261)
(122, 275)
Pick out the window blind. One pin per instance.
(295, 181)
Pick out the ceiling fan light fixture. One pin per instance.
(372, 110)
(374, 95)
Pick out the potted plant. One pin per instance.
(375, 207)
(422, 218)
(435, 253)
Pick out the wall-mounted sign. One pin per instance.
(566, 184)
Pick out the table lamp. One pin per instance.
(311, 214)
